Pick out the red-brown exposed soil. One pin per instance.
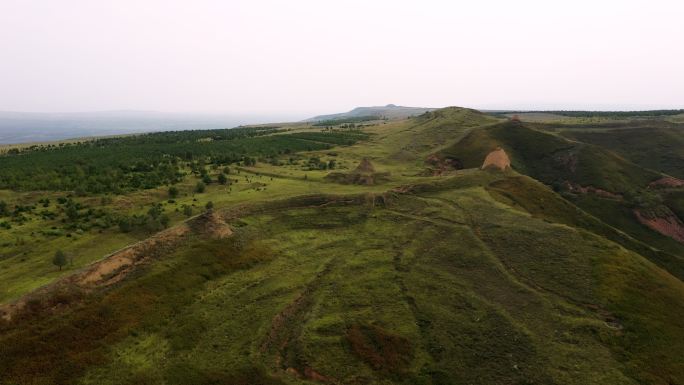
(669, 225)
(116, 266)
(497, 159)
(575, 188)
(441, 165)
(667, 181)
(365, 166)
(380, 349)
(364, 174)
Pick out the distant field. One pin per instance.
(579, 117)
(676, 118)
(538, 117)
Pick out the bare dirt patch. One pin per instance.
(667, 181)
(578, 189)
(497, 159)
(380, 349)
(365, 166)
(118, 265)
(439, 165)
(212, 225)
(364, 174)
(667, 224)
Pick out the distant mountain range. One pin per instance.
(389, 111)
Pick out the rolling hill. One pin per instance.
(656, 146)
(336, 255)
(389, 111)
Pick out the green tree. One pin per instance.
(331, 164)
(222, 179)
(173, 192)
(72, 212)
(164, 220)
(187, 210)
(209, 205)
(155, 211)
(4, 211)
(125, 225)
(59, 259)
(200, 187)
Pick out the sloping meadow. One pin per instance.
(442, 285)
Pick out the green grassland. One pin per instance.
(676, 118)
(657, 148)
(472, 277)
(551, 158)
(584, 118)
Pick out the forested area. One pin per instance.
(122, 164)
(355, 119)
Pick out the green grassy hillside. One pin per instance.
(616, 221)
(551, 158)
(657, 148)
(569, 166)
(467, 277)
(445, 286)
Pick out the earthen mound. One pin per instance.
(497, 159)
(440, 165)
(365, 166)
(363, 174)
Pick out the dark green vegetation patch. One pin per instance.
(117, 165)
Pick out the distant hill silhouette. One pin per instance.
(389, 111)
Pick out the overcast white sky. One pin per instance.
(308, 57)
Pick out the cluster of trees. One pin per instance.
(4, 209)
(340, 138)
(154, 220)
(315, 163)
(73, 215)
(119, 165)
(347, 121)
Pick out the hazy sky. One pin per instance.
(307, 57)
